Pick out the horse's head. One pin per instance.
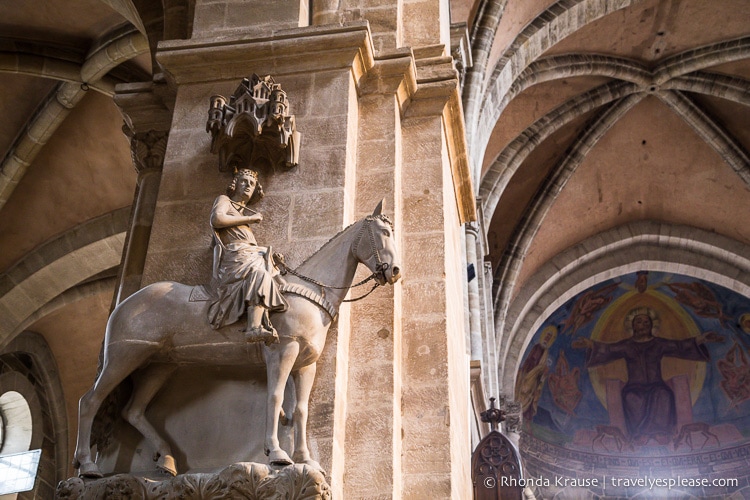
(375, 247)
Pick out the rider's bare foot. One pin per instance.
(260, 334)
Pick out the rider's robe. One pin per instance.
(244, 273)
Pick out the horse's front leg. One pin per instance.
(303, 382)
(280, 359)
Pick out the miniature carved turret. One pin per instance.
(253, 127)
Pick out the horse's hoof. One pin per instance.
(166, 464)
(89, 470)
(279, 457)
(284, 420)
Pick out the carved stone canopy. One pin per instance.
(253, 128)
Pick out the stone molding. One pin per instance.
(292, 51)
(240, 480)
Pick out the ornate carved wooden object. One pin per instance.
(495, 464)
(253, 127)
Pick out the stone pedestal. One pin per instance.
(240, 480)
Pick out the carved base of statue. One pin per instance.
(240, 480)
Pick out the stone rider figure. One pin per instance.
(243, 271)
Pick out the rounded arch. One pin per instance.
(641, 245)
(29, 368)
(60, 264)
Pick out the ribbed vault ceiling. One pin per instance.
(593, 114)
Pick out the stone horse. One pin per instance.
(158, 328)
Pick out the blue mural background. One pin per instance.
(558, 392)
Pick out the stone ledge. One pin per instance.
(240, 480)
(292, 51)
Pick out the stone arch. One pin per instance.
(510, 159)
(640, 245)
(559, 21)
(711, 132)
(60, 264)
(510, 265)
(28, 368)
(678, 67)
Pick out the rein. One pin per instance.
(381, 267)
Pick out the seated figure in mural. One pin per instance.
(647, 401)
(243, 271)
(533, 374)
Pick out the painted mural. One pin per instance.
(648, 364)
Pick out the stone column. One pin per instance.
(475, 324)
(488, 321)
(373, 431)
(146, 109)
(435, 396)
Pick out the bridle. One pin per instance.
(380, 266)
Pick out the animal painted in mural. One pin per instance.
(613, 433)
(586, 306)
(735, 372)
(744, 323)
(563, 385)
(687, 431)
(700, 299)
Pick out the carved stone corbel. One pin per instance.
(147, 149)
(253, 127)
(461, 50)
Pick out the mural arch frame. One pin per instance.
(643, 245)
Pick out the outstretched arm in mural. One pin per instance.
(648, 402)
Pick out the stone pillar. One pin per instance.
(146, 109)
(389, 412)
(475, 324)
(385, 18)
(373, 431)
(435, 398)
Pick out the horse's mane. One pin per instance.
(382, 217)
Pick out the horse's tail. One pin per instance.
(103, 425)
(109, 412)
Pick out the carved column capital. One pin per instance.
(147, 149)
(472, 229)
(146, 108)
